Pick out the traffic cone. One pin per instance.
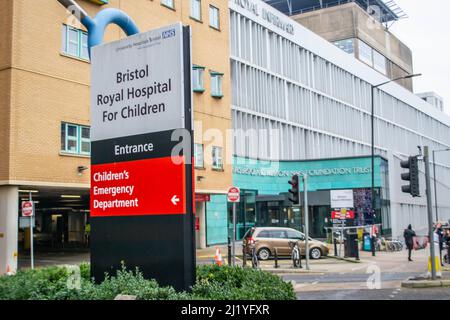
(218, 258)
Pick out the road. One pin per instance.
(375, 278)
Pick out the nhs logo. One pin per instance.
(169, 34)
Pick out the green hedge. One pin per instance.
(213, 283)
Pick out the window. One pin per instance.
(278, 234)
(346, 45)
(197, 79)
(168, 3)
(217, 162)
(264, 234)
(291, 234)
(379, 62)
(75, 139)
(196, 9)
(365, 53)
(75, 42)
(216, 84)
(199, 156)
(214, 17)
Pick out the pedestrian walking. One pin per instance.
(440, 240)
(409, 235)
(447, 242)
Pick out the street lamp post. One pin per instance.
(373, 131)
(435, 184)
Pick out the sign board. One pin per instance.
(343, 214)
(24, 222)
(141, 174)
(27, 209)
(342, 199)
(234, 194)
(202, 197)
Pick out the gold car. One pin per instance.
(267, 239)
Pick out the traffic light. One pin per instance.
(293, 192)
(412, 176)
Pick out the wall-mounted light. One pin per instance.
(200, 178)
(28, 191)
(81, 169)
(70, 197)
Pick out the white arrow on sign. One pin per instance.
(175, 200)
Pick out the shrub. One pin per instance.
(237, 283)
(213, 283)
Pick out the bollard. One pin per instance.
(229, 251)
(373, 239)
(276, 258)
(357, 249)
(335, 247)
(244, 258)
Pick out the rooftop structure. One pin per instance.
(389, 11)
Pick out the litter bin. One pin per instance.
(351, 245)
(366, 242)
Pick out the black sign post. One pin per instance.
(142, 209)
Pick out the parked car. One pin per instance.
(266, 239)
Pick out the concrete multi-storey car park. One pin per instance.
(45, 118)
(289, 82)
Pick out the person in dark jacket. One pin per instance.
(409, 235)
(447, 242)
(440, 234)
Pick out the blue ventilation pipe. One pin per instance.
(96, 26)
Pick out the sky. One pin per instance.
(426, 32)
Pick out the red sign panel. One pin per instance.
(202, 197)
(27, 209)
(135, 188)
(343, 214)
(234, 194)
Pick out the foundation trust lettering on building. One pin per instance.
(312, 172)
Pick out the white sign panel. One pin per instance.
(137, 84)
(342, 199)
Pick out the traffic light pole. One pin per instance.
(294, 198)
(306, 214)
(426, 159)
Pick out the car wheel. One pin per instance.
(263, 254)
(315, 253)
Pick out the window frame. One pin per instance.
(361, 44)
(218, 158)
(200, 69)
(216, 75)
(163, 3)
(376, 66)
(198, 165)
(345, 45)
(200, 13)
(81, 35)
(78, 139)
(211, 9)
